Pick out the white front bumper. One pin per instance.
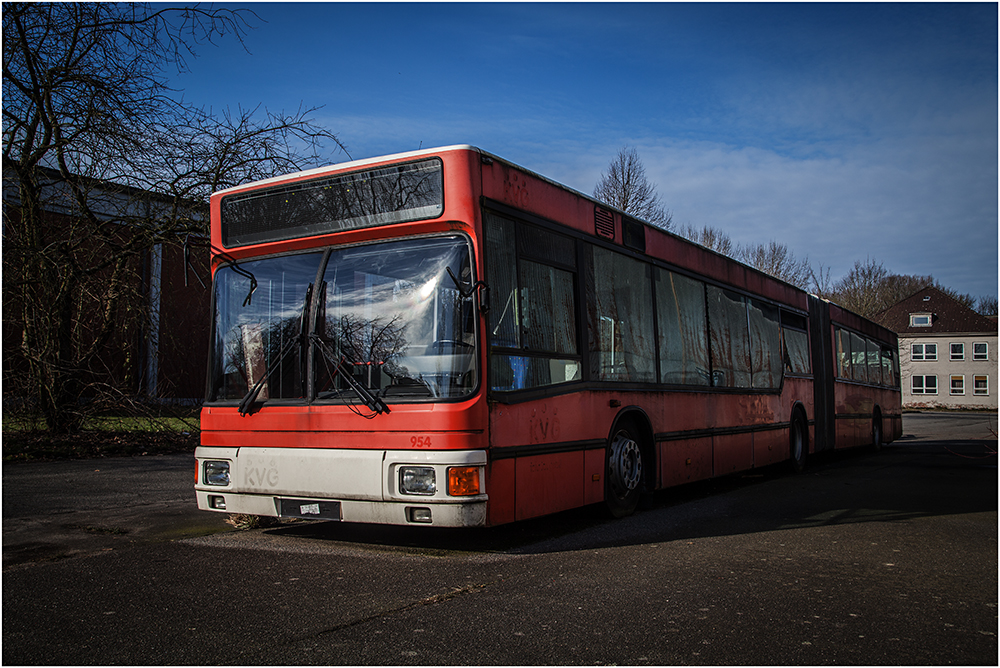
(349, 485)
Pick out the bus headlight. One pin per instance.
(216, 473)
(417, 480)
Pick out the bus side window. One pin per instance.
(843, 354)
(765, 344)
(620, 314)
(548, 310)
(859, 363)
(874, 362)
(532, 322)
(796, 351)
(730, 338)
(682, 324)
(888, 379)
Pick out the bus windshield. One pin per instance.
(390, 317)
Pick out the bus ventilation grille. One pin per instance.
(604, 223)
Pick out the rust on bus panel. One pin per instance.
(515, 188)
(756, 409)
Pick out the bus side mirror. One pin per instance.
(484, 297)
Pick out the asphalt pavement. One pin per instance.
(866, 558)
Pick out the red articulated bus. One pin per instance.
(443, 338)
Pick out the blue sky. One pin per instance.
(845, 131)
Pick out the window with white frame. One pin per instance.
(958, 385)
(923, 352)
(923, 384)
(920, 320)
(957, 352)
(980, 351)
(981, 385)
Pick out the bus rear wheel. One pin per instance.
(798, 443)
(623, 471)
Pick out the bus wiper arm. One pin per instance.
(373, 401)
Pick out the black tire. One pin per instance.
(624, 465)
(798, 442)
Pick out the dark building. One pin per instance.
(160, 355)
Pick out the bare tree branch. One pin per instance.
(776, 260)
(626, 188)
(709, 237)
(107, 162)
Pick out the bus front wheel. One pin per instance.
(623, 471)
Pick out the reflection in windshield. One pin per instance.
(399, 321)
(390, 323)
(249, 338)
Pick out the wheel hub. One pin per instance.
(625, 464)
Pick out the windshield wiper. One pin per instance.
(246, 404)
(372, 401)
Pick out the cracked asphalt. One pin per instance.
(887, 558)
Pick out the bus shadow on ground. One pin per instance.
(905, 480)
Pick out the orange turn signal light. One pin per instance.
(463, 481)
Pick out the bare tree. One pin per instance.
(626, 187)
(820, 282)
(860, 289)
(896, 287)
(771, 258)
(869, 289)
(776, 260)
(103, 162)
(709, 237)
(987, 306)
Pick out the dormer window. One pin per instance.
(920, 319)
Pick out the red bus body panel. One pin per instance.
(547, 454)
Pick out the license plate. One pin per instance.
(309, 509)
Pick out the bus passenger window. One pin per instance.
(730, 338)
(859, 363)
(887, 377)
(765, 345)
(874, 362)
(533, 329)
(796, 351)
(620, 313)
(680, 312)
(548, 311)
(843, 354)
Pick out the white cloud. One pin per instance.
(925, 206)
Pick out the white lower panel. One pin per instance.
(363, 482)
(442, 514)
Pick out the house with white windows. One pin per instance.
(947, 352)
